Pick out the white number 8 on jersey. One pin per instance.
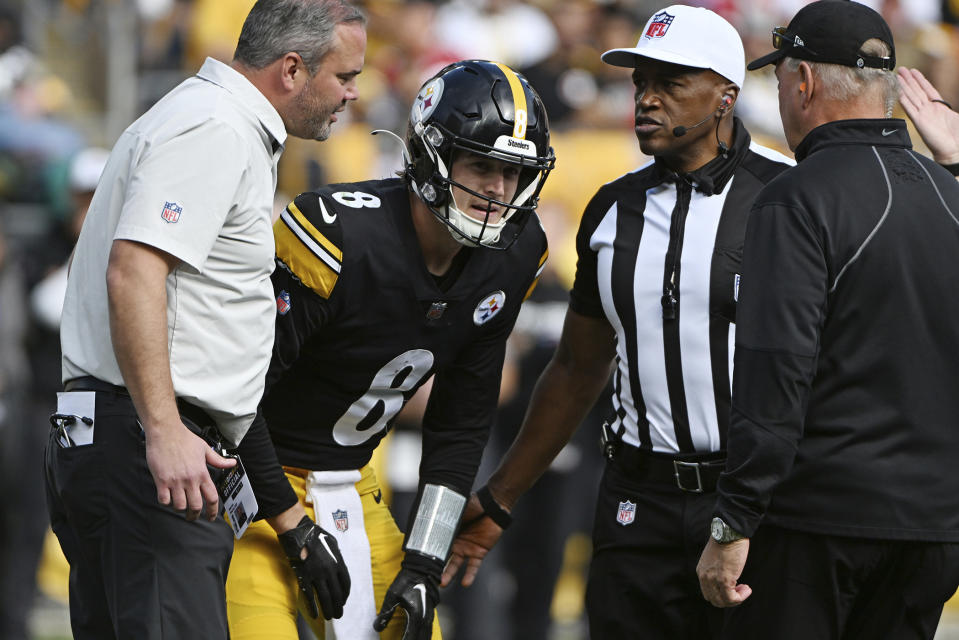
(414, 365)
(357, 199)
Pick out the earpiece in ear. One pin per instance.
(802, 87)
(727, 101)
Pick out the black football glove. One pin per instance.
(322, 576)
(417, 594)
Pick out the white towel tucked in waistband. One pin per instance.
(340, 512)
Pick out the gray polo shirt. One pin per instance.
(195, 176)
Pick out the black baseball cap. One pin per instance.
(831, 31)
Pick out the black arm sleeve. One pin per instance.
(459, 415)
(779, 320)
(456, 426)
(273, 492)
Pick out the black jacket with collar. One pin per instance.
(845, 408)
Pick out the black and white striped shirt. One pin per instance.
(659, 257)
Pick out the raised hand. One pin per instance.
(937, 123)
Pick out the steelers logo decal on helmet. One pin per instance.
(427, 99)
(489, 307)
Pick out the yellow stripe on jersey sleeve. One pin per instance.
(314, 232)
(308, 254)
(539, 272)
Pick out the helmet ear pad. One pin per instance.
(423, 172)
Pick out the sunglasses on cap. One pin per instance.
(782, 39)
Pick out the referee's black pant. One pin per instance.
(839, 588)
(642, 578)
(137, 569)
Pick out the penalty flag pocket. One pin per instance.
(74, 419)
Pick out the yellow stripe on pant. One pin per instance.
(261, 589)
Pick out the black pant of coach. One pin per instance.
(137, 569)
(652, 523)
(832, 587)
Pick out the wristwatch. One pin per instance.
(723, 533)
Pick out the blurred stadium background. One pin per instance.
(75, 73)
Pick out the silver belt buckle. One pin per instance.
(679, 464)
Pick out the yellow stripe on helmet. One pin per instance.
(519, 101)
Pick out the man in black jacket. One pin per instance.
(842, 437)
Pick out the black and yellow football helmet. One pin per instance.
(485, 108)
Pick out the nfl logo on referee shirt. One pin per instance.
(283, 303)
(341, 520)
(659, 25)
(626, 513)
(171, 211)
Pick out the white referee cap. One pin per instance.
(689, 36)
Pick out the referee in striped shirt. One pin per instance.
(654, 301)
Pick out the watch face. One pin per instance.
(717, 529)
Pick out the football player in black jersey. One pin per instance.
(381, 285)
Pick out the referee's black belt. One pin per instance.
(696, 473)
(188, 410)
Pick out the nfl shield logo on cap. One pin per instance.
(659, 25)
(687, 36)
(626, 513)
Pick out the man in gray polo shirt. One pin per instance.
(168, 322)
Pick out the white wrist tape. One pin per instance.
(436, 519)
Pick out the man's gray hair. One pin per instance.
(842, 83)
(274, 28)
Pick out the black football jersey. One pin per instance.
(361, 325)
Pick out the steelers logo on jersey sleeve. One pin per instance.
(489, 307)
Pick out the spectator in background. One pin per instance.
(20, 540)
(32, 134)
(564, 78)
(408, 54)
(51, 259)
(578, 89)
(514, 32)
